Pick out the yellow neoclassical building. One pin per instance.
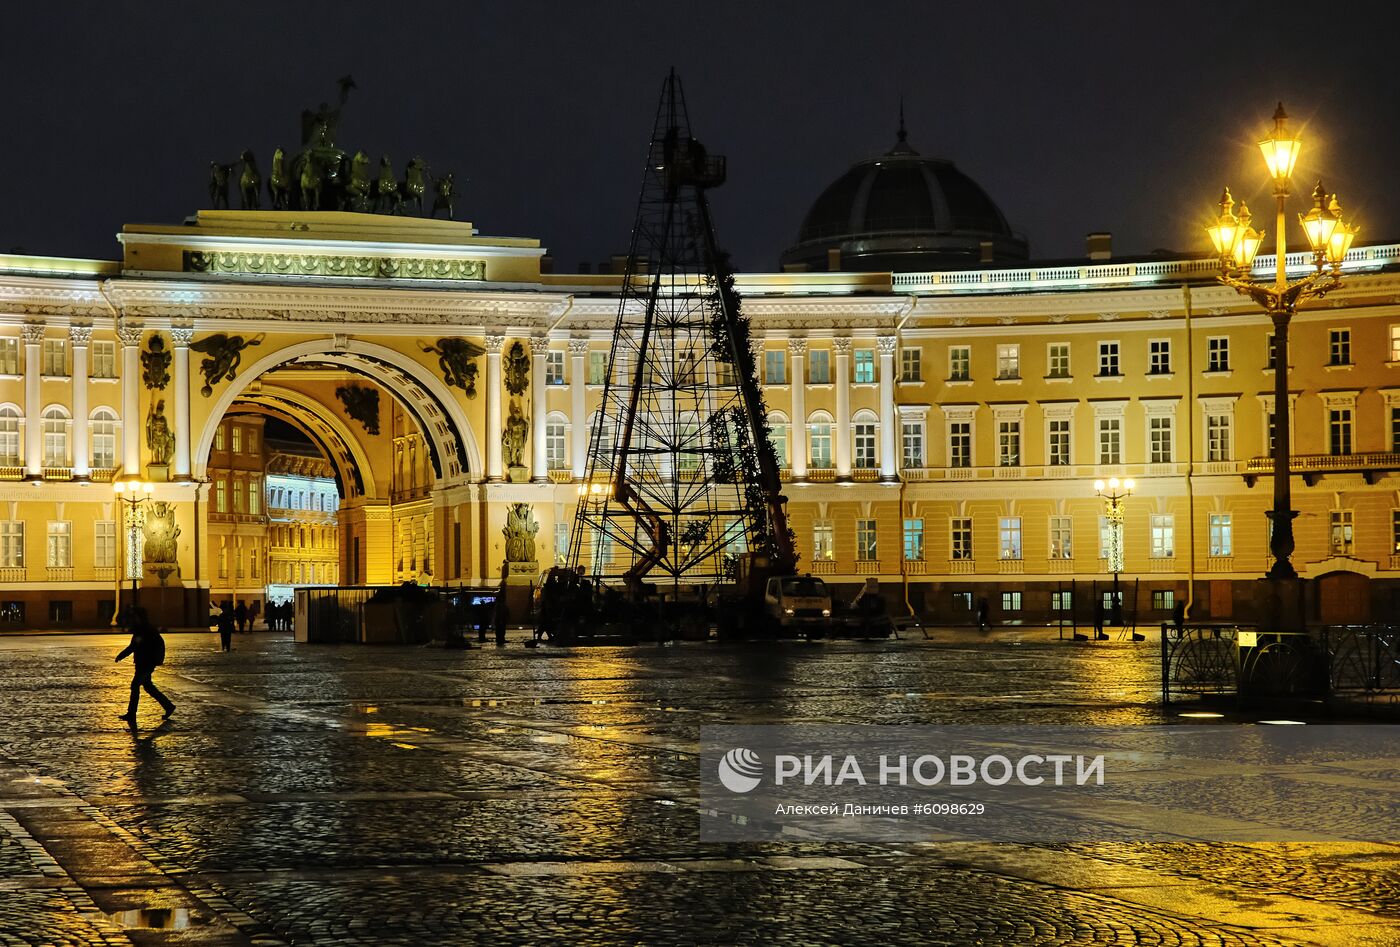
(939, 430)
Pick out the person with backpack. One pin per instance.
(224, 623)
(147, 650)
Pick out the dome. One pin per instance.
(905, 212)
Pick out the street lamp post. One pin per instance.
(131, 494)
(1236, 243)
(1114, 492)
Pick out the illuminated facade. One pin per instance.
(940, 427)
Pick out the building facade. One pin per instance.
(940, 431)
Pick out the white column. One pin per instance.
(843, 408)
(80, 336)
(130, 336)
(539, 463)
(493, 407)
(33, 405)
(889, 418)
(797, 432)
(181, 338)
(578, 406)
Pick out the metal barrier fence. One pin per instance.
(351, 614)
(1228, 660)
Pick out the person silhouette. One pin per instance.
(147, 650)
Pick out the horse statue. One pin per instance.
(250, 182)
(357, 185)
(415, 183)
(309, 181)
(218, 185)
(445, 197)
(386, 188)
(278, 186)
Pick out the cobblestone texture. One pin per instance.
(353, 796)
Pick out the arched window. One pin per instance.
(104, 438)
(556, 441)
(778, 427)
(9, 436)
(863, 437)
(55, 437)
(819, 441)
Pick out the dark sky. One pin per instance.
(1120, 116)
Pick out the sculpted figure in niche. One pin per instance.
(159, 439)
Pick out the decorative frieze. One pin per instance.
(338, 265)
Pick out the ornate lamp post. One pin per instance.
(1114, 493)
(131, 494)
(1236, 243)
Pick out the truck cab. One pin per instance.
(798, 602)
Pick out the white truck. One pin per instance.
(798, 604)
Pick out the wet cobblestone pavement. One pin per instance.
(353, 796)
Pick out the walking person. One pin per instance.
(1098, 621)
(147, 650)
(983, 623)
(225, 624)
(240, 615)
(253, 611)
(1179, 615)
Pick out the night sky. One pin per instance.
(1074, 117)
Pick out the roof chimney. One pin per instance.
(1100, 246)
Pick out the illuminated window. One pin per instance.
(104, 438)
(865, 541)
(864, 367)
(819, 367)
(555, 435)
(12, 544)
(1061, 537)
(219, 437)
(220, 496)
(1010, 529)
(914, 540)
(104, 554)
(554, 367)
(1159, 438)
(864, 435)
(823, 541)
(9, 356)
(1163, 528)
(60, 545)
(1218, 437)
(1011, 601)
(1110, 440)
(55, 358)
(55, 438)
(775, 367)
(1059, 442)
(819, 443)
(1221, 534)
(1341, 532)
(9, 436)
(1009, 361)
(597, 367)
(961, 538)
(1008, 443)
(912, 433)
(237, 438)
(104, 360)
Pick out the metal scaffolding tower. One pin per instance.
(681, 476)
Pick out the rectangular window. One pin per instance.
(960, 444)
(1395, 429)
(865, 540)
(912, 437)
(561, 543)
(1009, 361)
(1059, 442)
(1058, 360)
(254, 494)
(819, 440)
(1270, 353)
(219, 437)
(864, 367)
(1108, 359)
(1341, 533)
(1163, 600)
(104, 360)
(778, 434)
(554, 367)
(104, 554)
(12, 544)
(1395, 531)
(55, 442)
(252, 440)
(1008, 443)
(1394, 343)
(911, 365)
(220, 496)
(962, 601)
(823, 541)
(1105, 538)
(55, 361)
(60, 545)
(237, 439)
(61, 611)
(1010, 529)
(775, 367)
(1222, 541)
(724, 374)
(1218, 437)
(1339, 346)
(1061, 537)
(864, 435)
(961, 538)
(1062, 601)
(1339, 431)
(1163, 536)
(960, 363)
(554, 445)
(819, 367)
(12, 612)
(1159, 435)
(1110, 440)
(1218, 354)
(1159, 352)
(1011, 601)
(914, 540)
(597, 368)
(9, 356)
